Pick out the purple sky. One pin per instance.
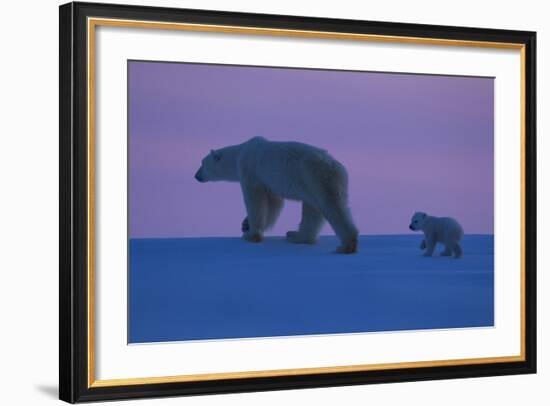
(409, 143)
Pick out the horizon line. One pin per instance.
(283, 237)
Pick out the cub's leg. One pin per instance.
(448, 250)
(457, 250)
(310, 226)
(422, 244)
(430, 246)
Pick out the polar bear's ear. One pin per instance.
(424, 215)
(215, 155)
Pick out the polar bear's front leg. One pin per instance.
(256, 209)
(274, 205)
(245, 226)
(273, 209)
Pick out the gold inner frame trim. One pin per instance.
(299, 371)
(94, 22)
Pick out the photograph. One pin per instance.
(273, 201)
(255, 201)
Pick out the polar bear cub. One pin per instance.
(445, 230)
(270, 172)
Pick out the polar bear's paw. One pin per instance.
(253, 236)
(349, 248)
(298, 238)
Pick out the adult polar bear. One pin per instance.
(272, 171)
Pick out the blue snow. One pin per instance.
(220, 288)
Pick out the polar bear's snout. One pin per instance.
(199, 176)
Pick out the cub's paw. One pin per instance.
(245, 226)
(297, 238)
(253, 236)
(427, 254)
(423, 245)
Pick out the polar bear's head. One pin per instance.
(417, 221)
(218, 165)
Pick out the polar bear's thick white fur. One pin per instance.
(445, 230)
(270, 172)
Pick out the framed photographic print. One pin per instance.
(255, 202)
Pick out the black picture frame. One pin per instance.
(74, 385)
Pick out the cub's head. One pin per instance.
(417, 221)
(217, 165)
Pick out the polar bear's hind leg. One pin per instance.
(310, 225)
(339, 217)
(331, 199)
